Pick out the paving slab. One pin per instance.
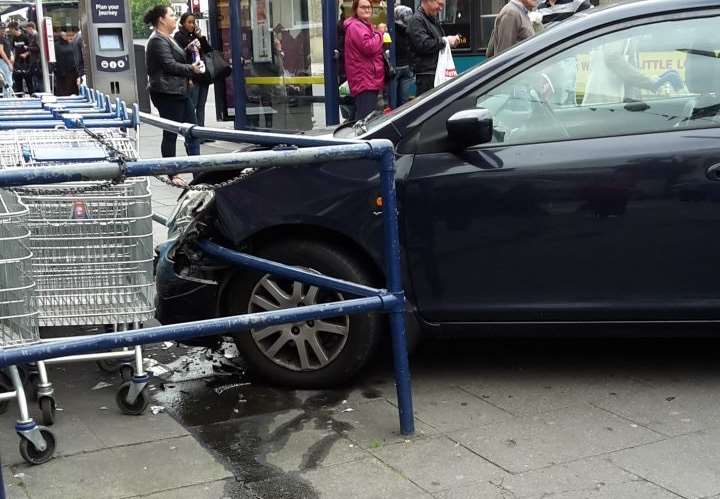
(629, 490)
(481, 490)
(311, 447)
(533, 391)
(125, 471)
(71, 432)
(583, 475)
(450, 409)
(376, 424)
(439, 463)
(688, 465)
(14, 487)
(672, 409)
(219, 489)
(367, 479)
(533, 442)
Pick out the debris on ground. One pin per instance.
(157, 409)
(166, 345)
(19, 475)
(101, 385)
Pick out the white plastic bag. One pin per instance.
(446, 65)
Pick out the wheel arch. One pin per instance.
(308, 232)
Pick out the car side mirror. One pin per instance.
(470, 127)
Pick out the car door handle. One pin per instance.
(713, 173)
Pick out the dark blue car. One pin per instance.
(572, 180)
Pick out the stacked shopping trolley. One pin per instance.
(88, 245)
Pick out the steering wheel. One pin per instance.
(540, 97)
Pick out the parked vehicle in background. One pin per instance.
(519, 204)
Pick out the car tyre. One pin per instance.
(344, 355)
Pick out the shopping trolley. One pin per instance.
(18, 322)
(92, 246)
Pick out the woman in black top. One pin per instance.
(187, 33)
(169, 77)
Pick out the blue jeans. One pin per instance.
(198, 96)
(7, 75)
(405, 79)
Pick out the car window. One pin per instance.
(652, 78)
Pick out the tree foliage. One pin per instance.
(139, 8)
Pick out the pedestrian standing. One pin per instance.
(513, 25)
(35, 66)
(405, 77)
(169, 78)
(427, 38)
(66, 75)
(21, 67)
(364, 59)
(6, 62)
(184, 36)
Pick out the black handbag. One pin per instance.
(215, 66)
(390, 71)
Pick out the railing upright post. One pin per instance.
(394, 278)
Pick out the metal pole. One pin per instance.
(42, 41)
(394, 277)
(238, 72)
(2, 482)
(332, 93)
(179, 332)
(393, 50)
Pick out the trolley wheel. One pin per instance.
(34, 456)
(109, 365)
(132, 409)
(47, 408)
(5, 387)
(127, 372)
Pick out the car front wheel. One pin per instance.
(309, 354)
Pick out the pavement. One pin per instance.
(543, 418)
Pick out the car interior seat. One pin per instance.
(702, 78)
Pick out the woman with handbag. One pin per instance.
(184, 36)
(169, 77)
(364, 62)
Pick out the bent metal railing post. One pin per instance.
(391, 300)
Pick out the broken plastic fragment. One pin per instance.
(101, 385)
(167, 345)
(157, 409)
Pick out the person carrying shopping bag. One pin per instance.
(184, 36)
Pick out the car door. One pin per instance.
(594, 199)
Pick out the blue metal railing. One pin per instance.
(390, 300)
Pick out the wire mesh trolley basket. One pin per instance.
(91, 243)
(18, 322)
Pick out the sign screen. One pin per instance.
(110, 39)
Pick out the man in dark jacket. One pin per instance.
(427, 38)
(21, 68)
(403, 54)
(65, 70)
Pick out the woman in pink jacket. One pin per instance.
(363, 59)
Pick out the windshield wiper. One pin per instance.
(360, 126)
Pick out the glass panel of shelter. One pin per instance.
(282, 60)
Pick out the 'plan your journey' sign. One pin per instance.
(108, 11)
